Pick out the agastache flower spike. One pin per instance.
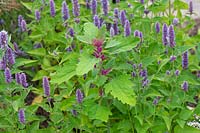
(185, 60)
(3, 39)
(23, 26)
(172, 58)
(3, 63)
(112, 32)
(46, 86)
(122, 17)
(115, 27)
(171, 36)
(142, 1)
(87, 4)
(185, 86)
(116, 13)
(157, 26)
(20, 18)
(10, 56)
(21, 116)
(164, 34)
(104, 4)
(71, 32)
(37, 15)
(177, 72)
(96, 21)
(127, 28)
(23, 80)
(17, 78)
(190, 7)
(65, 11)
(136, 33)
(94, 7)
(175, 21)
(76, 8)
(7, 75)
(79, 96)
(52, 8)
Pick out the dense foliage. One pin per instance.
(100, 66)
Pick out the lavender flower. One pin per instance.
(15, 47)
(175, 21)
(116, 13)
(157, 26)
(20, 18)
(23, 80)
(74, 112)
(7, 75)
(23, 26)
(96, 21)
(141, 36)
(143, 73)
(76, 8)
(190, 7)
(164, 34)
(3, 39)
(185, 86)
(140, 66)
(37, 15)
(21, 116)
(104, 4)
(123, 17)
(10, 56)
(46, 86)
(17, 78)
(79, 96)
(115, 27)
(101, 22)
(142, 1)
(136, 33)
(112, 32)
(65, 11)
(94, 7)
(71, 32)
(127, 28)
(198, 74)
(171, 36)
(156, 100)
(185, 60)
(177, 72)
(87, 4)
(52, 8)
(172, 58)
(168, 72)
(146, 11)
(133, 74)
(3, 64)
(145, 82)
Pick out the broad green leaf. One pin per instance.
(39, 75)
(122, 89)
(186, 129)
(23, 62)
(86, 64)
(148, 60)
(38, 52)
(28, 5)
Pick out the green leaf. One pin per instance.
(186, 129)
(122, 89)
(148, 60)
(86, 64)
(38, 52)
(23, 62)
(39, 75)
(28, 5)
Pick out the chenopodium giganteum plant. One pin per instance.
(100, 66)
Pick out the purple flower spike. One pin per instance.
(52, 8)
(23, 26)
(143, 73)
(123, 17)
(115, 27)
(168, 72)
(87, 4)
(142, 1)
(190, 7)
(10, 56)
(79, 96)
(37, 15)
(76, 8)
(3, 39)
(94, 7)
(171, 36)
(172, 58)
(136, 33)
(116, 13)
(177, 72)
(127, 28)
(16, 49)
(141, 35)
(157, 26)
(175, 21)
(46, 86)
(185, 86)
(164, 34)
(21, 116)
(20, 18)
(8, 76)
(112, 32)
(71, 32)
(133, 74)
(18, 78)
(185, 60)
(3, 64)
(23, 80)
(117, 1)
(74, 112)
(104, 4)
(65, 11)
(96, 21)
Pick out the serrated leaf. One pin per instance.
(122, 89)
(86, 64)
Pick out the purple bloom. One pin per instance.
(96, 21)
(145, 82)
(142, 1)
(116, 13)
(185, 86)
(185, 60)
(52, 8)
(127, 28)
(71, 32)
(198, 74)
(140, 66)
(10, 56)
(37, 15)
(117, 1)
(134, 66)
(146, 11)
(136, 33)
(157, 26)
(3, 39)
(175, 21)
(7, 75)
(74, 112)
(104, 4)
(17, 78)
(177, 72)
(123, 17)
(171, 36)
(76, 8)
(21, 116)
(23, 26)
(87, 4)
(94, 7)
(115, 27)
(164, 34)
(172, 58)
(3, 64)
(112, 32)
(20, 18)
(16, 49)
(46, 86)
(156, 100)
(190, 7)
(143, 73)
(168, 72)
(65, 11)
(79, 96)
(23, 80)
(133, 74)
(101, 22)
(141, 36)
(105, 71)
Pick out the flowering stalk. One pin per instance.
(127, 28)
(112, 32)
(23, 80)
(21, 116)
(123, 17)
(171, 36)
(115, 27)
(116, 13)
(37, 15)
(104, 4)
(23, 26)
(165, 34)
(79, 96)
(190, 7)
(157, 26)
(76, 8)
(96, 21)
(20, 18)
(185, 86)
(3, 39)
(94, 7)
(46, 86)
(185, 60)
(52, 8)
(7, 75)
(65, 11)
(10, 56)
(3, 63)
(17, 78)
